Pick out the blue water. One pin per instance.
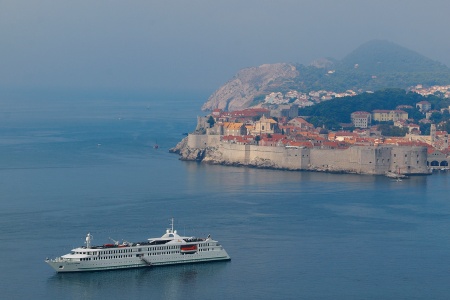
(72, 165)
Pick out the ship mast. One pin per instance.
(88, 240)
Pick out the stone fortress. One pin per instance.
(374, 160)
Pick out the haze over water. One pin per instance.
(68, 168)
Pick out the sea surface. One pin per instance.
(77, 163)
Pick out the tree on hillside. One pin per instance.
(390, 130)
(425, 129)
(211, 121)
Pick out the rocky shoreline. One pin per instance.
(356, 160)
(212, 155)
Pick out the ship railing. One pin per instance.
(57, 259)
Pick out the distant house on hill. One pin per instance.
(389, 115)
(414, 128)
(361, 119)
(404, 107)
(241, 115)
(343, 136)
(423, 106)
(233, 129)
(301, 123)
(288, 111)
(431, 112)
(240, 140)
(216, 113)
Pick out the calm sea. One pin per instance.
(72, 164)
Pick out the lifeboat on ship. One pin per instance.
(188, 248)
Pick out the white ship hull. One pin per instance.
(170, 249)
(64, 265)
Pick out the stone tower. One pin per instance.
(433, 133)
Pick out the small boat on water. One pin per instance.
(395, 175)
(168, 249)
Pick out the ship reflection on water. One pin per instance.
(160, 282)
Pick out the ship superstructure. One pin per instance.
(168, 249)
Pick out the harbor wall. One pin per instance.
(409, 160)
(200, 141)
(265, 156)
(375, 160)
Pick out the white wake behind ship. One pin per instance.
(169, 249)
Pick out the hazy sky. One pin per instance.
(197, 44)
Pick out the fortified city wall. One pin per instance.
(265, 156)
(357, 159)
(200, 141)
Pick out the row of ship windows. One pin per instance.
(130, 255)
(138, 249)
(106, 252)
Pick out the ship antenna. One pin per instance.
(172, 224)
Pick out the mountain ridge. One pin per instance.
(374, 65)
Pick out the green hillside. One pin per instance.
(331, 113)
(378, 57)
(373, 66)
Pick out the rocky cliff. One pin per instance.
(249, 83)
(187, 153)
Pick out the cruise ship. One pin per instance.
(169, 249)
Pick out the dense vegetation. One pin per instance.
(373, 66)
(331, 113)
(379, 56)
(390, 130)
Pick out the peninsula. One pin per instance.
(265, 117)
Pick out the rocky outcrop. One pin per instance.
(249, 83)
(180, 146)
(213, 156)
(264, 163)
(187, 153)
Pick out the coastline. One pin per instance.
(364, 160)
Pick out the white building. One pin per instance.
(361, 119)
